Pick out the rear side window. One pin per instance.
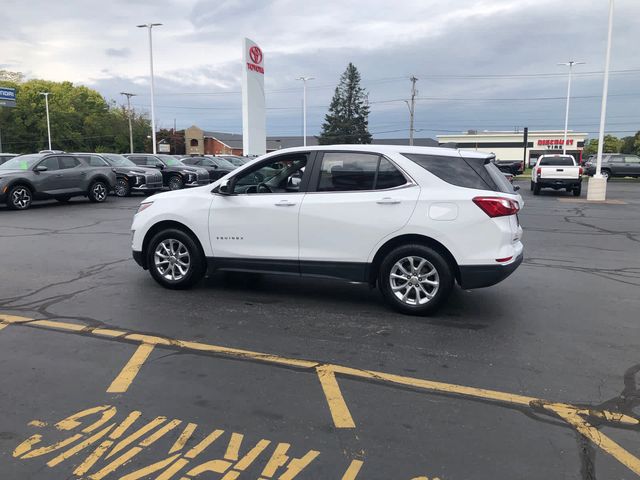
(350, 171)
(138, 160)
(456, 170)
(560, 161)
(96, 161)
(68, 162)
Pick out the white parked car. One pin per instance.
(411, 220)
(557, 172)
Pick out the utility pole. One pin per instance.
(150, 26)
(569, 64)
(129, 95)
(46, 102)
(304, 108)
(412, 107)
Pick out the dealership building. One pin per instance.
(510, 145)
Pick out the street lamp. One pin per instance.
(597, 190)
(46, 102)
(569, 64)
(129, 95)
(150, 26)
(304, 107)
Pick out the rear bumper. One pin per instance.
(558, 183)
(480, 276)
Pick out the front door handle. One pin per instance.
(285, 203)
(388, 201)
(59, 175)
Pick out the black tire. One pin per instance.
(176, 182)
(532, 185)
(606, 174)
(196, 265)
(536, 189)
(98, 191)
(443, 275)
(577, 191)
(64, 199)
(123, 189)
(19, 197)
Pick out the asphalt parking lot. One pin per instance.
(107, 375)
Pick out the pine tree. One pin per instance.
(348, 117)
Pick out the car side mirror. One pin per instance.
(41, 168)
(159, 166)
(227, 188)
(516, 188)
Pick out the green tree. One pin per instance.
(348, 118)
(81, 120)
(631, 144)
(612, 144)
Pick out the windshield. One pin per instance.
(118, 160)
(170, 161)
(221, 162)
(22, 162)
(560, 161)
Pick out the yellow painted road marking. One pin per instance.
(3, 325)
(337, 406)
(122, 382)
(569, 413)
(352, 471)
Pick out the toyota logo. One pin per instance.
(256, 54)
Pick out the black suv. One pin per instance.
(215, 171)
(175, 174)
(129, 176)
(61, 176)
(615, 165)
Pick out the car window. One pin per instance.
(631, 159)
(152, 161)
(616, 159)
(138, 160)
(96, 161)
(68, 162)
(51, 163)
(557, 161)
(456, 170)
(388, 176)
(347, 171)
(280, 175)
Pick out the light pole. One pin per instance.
(129, 95)
(304, 107)
(150, 26)
(597, 190)
(569, 64)
(46, 103)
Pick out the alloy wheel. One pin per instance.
(121, 188)
(21, 197)
(171, 259)
(414, 280)
(99, 192)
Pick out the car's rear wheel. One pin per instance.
(176, 183)
(98, 192)
(606, 174)
(415, 279)
(20, 197)
(123, 189)
(536, 189)
(532, 185)
(577, 191)
(175, 260)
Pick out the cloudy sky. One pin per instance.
(481, 64)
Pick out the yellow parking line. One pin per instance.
(337, 406)
(122, 382)
(327, 374)
(3, 325)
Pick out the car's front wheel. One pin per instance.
(415, 279)
(175, 260)
(123, 189)
(98, 192)
(176, 183)
(20, 198)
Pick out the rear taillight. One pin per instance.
(538, 171)
(497, 206)
(580, 170)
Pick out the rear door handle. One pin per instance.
(59, 175)
(284, 203)
(388, 201)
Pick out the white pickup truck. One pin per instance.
(557, 172)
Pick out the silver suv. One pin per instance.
(57, 176)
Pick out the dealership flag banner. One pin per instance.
(254, 136)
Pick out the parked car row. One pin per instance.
(62, 176)
(614, 165)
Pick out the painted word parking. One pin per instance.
(98, 437)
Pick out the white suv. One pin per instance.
(410, 219)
